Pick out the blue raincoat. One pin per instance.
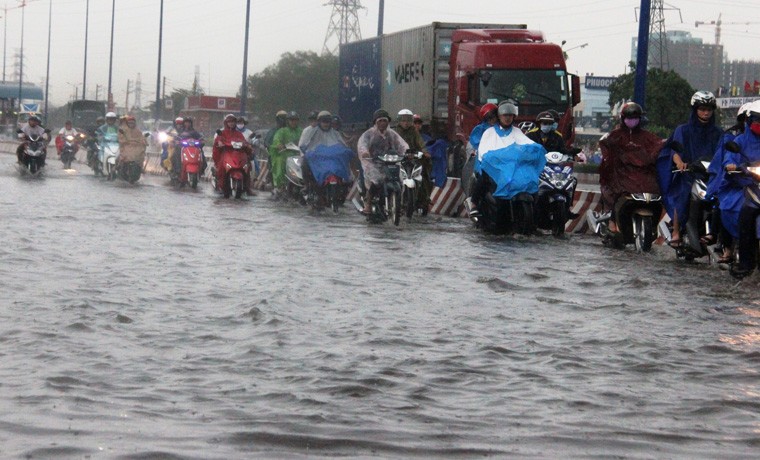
(515, 168)
(735, 184)
(477, 133)
(437, 151)
(700, 140)
(327, 160)
(729, 198)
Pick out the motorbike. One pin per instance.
(33, 159)
(109, 152)
(556, 188)
(499, 215)
(386, 197)
(749, 171)
(294, 187)
(70, 148)
(235, 163)
(330, 167)
(411, 181)
(128, 171)
(192, 162)
(701, 209)
(635, 217)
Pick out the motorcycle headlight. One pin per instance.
(755, 171)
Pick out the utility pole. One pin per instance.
(380, 18)
(158, 74)
(97, 92)
(244, 89)
(126, 101)
(642, 53)
(86, 30)
(5, 37)
(110, 58)
(47, 72)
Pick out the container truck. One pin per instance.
(446, 71)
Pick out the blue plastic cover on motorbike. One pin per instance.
(515, 168)
(334, 159)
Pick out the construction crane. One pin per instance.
(717, 25)
(716, 57)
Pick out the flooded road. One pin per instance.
(144, 322)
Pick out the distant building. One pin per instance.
(706, 67)
(208, 111)
(594, 109)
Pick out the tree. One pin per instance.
(302, 81)
(667, 98)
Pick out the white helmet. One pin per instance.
(405, 114)
(743, 110)
(110, 115)
(507, 108)
(753, 110)
(703, 99)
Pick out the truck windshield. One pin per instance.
(533, 90)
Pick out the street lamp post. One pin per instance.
(158, 75)
(110, 59)
(21, 58)
(86, 29)
(47, 72)
(244, 90)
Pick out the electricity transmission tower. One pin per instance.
(344, 25)
(658, 38)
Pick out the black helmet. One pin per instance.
(545, 116)
(313, 115)
(34, 118)
(242, 119)
(703, 99)
(631, 110)
(380, 113)
(292, 115)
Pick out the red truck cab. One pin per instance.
(491, 65)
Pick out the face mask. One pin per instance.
(555, 126)
(632, 122)
(546, 128)
(755, 127)
(240, 126)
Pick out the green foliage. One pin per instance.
(667, 98)
(302, 81)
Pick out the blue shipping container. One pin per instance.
(360, 81)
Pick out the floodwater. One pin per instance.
(142, 322)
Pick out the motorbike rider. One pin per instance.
(225, 137)
(500, 135)
(253, 165)
(699, 137)
(289, 134)
(376, 141)
(67, 130)
(629, 155)
(92, 140)
(280, 119)
(313, 122)
(323, 134)
(31, 128)
(749, 154)
(729, 198)
(187, 131)
(168, 147)
(488, 117)
(546, 134)
(417, 120)
(413, 139)
(132, 142)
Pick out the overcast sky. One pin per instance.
(209, 34)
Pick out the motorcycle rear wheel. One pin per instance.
(559, 218)
(194, 180)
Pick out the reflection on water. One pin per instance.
(144, 322)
